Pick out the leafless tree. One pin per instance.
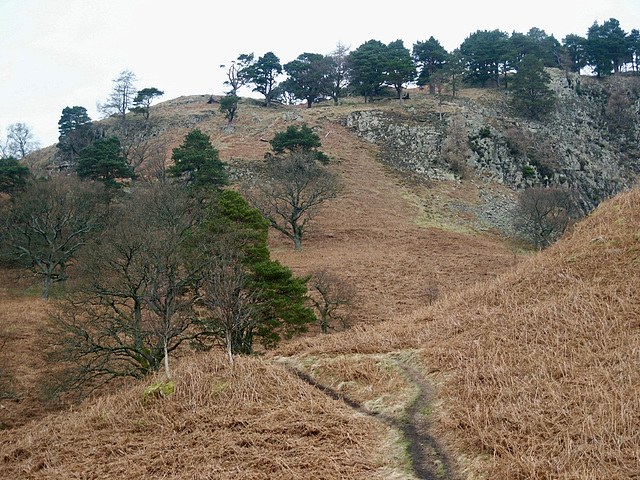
(455, 148)
(47, 224)
(339, 75)
(231, 301)
(619, 112)
(20, 140)
(133, 308)
(237, 72)
(431, 291)
(333, 297)
(154, 164)
(120, 99)
(543, 214)
(291, 192)
(136, 134)
(139, 145)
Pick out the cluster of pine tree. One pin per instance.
(481, 59)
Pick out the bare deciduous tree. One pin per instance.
(154, 164)
(231, 301)
(333, 297)
(339, 75)
(133, 308)
(45, 225)
(543, 214)
(20, 140)
(455, 148)
(237, 73)
(292, 191)
(121, 98)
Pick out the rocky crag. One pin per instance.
(589, 144)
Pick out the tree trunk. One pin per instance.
(166, 361)
(324, 323)
(297, 235)
(46, 289)
(229, 351)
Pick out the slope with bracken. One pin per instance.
(532, 361)
(369, 235)
(537, 370)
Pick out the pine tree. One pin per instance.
(197, 162)
(104, 161)
(531, 95)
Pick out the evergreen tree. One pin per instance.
(278, 296)
(399, 68)
(545, 47)
(634, 42)
(263, 75)
(229, 106)
(309, 76)
(197, 162)
(531, 95)
(430, 56)
(144, 98)
(368, 65)
(76, 132)
(485, 53)
(608, 47)
(104, 161)
(576, 47)
(296, 139)
(13, 176)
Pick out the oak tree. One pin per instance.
(132, 306)
(45, 225)
(291, 192)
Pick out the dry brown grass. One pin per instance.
(538, 370)
(255, 420)
(542, 365)
(536, 363)
(373, 381)
(22, 318)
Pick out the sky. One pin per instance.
(59, 53)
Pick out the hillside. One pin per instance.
(523, 368)
(537, 369)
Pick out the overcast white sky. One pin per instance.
(58, 53)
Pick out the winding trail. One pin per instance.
(428, 459)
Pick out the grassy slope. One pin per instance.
(537, 370)
(534, 367)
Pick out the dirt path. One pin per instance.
(427, 457)
(428, 460)
(370, 237)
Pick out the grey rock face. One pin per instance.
(585, 145)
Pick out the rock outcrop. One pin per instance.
(589, 144)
